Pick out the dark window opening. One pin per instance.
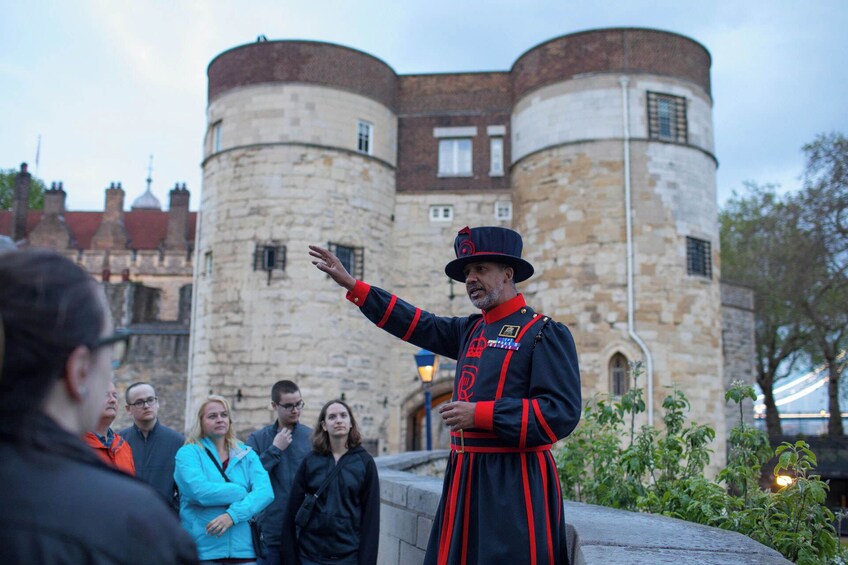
(352, 258)
(699, 260)
(619, 382)
(269, 257)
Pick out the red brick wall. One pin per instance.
(449, 100)
(611, 50)
(303, 61)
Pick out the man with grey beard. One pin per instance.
(516, 393)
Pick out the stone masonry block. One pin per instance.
(400, 523)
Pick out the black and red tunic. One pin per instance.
(501, 501)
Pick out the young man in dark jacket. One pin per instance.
(281, 447)
(154, 445)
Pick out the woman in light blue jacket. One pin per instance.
(215, 510)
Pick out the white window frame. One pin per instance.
(441, 213)
(503, 205)
(216, 136)
(496, 156)
(365, 137)
(452, 162)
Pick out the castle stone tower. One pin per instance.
(290, 161)
(593, 112)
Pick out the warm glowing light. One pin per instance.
(427, 365)
(784, 480)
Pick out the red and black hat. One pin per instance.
(490, 243)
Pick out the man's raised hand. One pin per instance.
(327, 262)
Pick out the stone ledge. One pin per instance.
(596, 535)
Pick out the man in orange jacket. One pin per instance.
(106, 443)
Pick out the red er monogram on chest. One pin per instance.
(469, 372)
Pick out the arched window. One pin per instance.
(619, 381)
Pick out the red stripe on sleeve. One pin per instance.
(388, 312)
(412, 325)
(525, 415)
(543, 469)
(484, 415)
(541, 419)
(528, 505)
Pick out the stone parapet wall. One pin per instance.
(409, 499)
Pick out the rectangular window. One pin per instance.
(364, 137)
(216, 137)
(353, 258)
(207, 264)
(496, 166)
(455, 157)
(441, 213)
(667, 117)
(269, 257)
(503, 210)
(699, 259)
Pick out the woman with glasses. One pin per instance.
(340, 477)
(59, 502)
(222, 485)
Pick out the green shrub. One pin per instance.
(607, 461)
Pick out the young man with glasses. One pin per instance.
(154, 446)
(281, 447)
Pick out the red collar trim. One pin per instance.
(503, 310)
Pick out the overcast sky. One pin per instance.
(106, 83)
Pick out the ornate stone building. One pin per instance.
(596, 146)
(144, 259)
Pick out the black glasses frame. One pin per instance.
(144, 402)
(120, 354)
(291, 407)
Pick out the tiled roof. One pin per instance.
(146, 229)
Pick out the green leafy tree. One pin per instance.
(7, 190)
(760, 237)
(822, 297)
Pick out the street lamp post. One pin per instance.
(427, 364)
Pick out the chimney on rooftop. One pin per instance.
(51, 230)
(177, 237)
(20, 203)
(111, 233)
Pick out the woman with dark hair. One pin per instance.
(343, 526)
(222, 486)
(59, 502)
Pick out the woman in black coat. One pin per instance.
(344, 524)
